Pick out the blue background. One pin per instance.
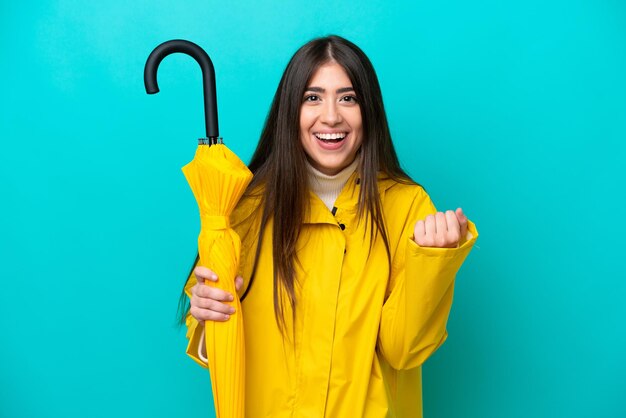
(516, 112)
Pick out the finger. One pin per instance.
(238, 283)
(440, 223)
(442, 229)
(215, 293)
(462, 222)
(212, 305)
(202, 315)
(452, 221)
(430, 231)
(454, 229)
(419, 231)
(203, 273)
(430, 226)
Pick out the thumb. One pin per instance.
(461, 216)
(198, 276)
(462, 222)
(202, 274)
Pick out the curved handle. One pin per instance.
(208, 77)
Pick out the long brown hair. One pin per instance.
(278, 162)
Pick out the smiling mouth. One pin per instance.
(331, 138)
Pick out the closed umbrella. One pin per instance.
(218, 178)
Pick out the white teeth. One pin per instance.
(331, 136)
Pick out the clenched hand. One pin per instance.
(442, 230)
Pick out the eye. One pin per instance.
(349, 99)
(311, 98)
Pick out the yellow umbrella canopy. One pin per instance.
(217, 178)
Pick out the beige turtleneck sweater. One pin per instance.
(328, 187)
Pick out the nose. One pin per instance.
(331, 114)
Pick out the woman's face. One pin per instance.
(330, 120)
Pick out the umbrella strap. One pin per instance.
(215, 222)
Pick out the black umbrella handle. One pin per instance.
(208, 78)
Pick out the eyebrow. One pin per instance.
(321, 90)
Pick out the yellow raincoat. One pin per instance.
(362, 331)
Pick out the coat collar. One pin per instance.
(347, 201)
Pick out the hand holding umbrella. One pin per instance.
(217, 178)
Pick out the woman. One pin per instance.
(347, 268)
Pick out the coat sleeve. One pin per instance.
(419, 294)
